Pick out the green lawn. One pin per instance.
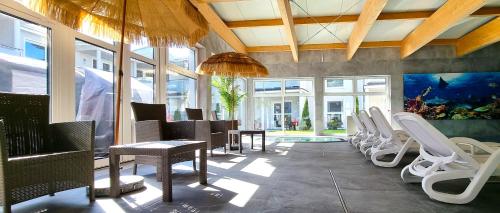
(333, 132)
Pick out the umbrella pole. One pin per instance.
(120, 76)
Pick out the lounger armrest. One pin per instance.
(473, 143)
(73, 136)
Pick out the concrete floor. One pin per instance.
(289, 177)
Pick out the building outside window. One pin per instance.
(94, 92)
(24, 65)
(354, 93)
(284, 106)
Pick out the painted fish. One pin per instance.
(494, 96)
(442, 83)
(493, 85)
(426, 91)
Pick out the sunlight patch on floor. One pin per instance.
(288, 145)
(226, 165)
(244, 190)
(109, 205)
(151, 193)
(260, 166)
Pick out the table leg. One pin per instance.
(251, 143)
(241, 143)
(264, 142)
(166, 174)
(203, 166)
(114, 174)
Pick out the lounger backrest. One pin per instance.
(381, 123)
(368, 122)
(358, 123)
(431, 139)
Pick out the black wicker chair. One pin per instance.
(38, 158)
(151, 125)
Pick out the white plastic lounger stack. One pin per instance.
(391, 141)
(441, 159)
(361, 132)
(373, 134)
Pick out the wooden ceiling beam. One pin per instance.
(287, 17)
(371, 44)
(483, 36)
(219, 26)
(371, 10)
(445, 17)
(485, 11)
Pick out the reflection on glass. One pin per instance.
(181, 94)
(94, 92)
(142, 49)
(142, 81)
(338, 85)
(23, 56)
(371, 85)
(267, 87)
(183, 57)
(299, 86)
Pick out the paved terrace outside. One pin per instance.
(289, 177)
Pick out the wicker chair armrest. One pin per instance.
(149, 130)
(218, 126)
(73, 136)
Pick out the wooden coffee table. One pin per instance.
(239, 134)
(166, 150)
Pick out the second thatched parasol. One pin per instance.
(234, 65)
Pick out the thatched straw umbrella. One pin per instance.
(232, 64)
(159, 22)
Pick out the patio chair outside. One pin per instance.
(442, 159)
(38, 158)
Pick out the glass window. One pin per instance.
(23, 66)
(94, 92)
(142, 81)
(268, 87)
(143, 50)
(219, 108)
(337, 108)
(371, 85)
(183, 57)
(181, 94)
(298, 86)
(338, 85)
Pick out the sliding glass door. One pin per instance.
(284, 106)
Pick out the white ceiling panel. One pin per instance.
(492, 3)
(304, 8)
(261, 36)
(316, 34)
(391, 30)
(412, 5)
(464, 27)
(247, 10)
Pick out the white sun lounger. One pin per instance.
(361, 132)
(391, 141)
(372, 132)
(442, 159)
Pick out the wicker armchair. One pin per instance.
(210, 131)
(38, 158)
(151, 125)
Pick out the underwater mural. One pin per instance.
(453, 96)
